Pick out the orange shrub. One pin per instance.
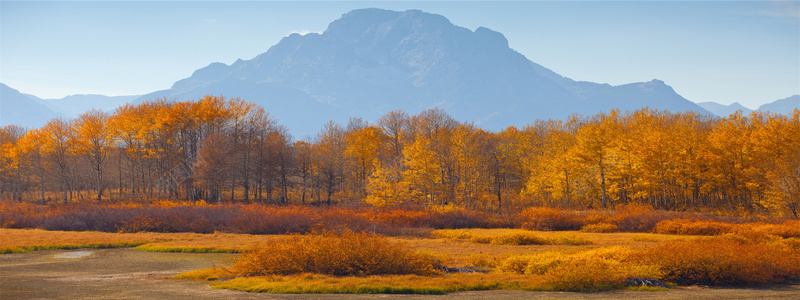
(689, 227)
(592, 270)
(592, 274)
(259, 219)
(544, 218)
(15, 214)
(635, 217)
(347, 254)
(399, 217)
(788, 229)
(341, 219)
(723, 261)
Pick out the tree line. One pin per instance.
(219, 150)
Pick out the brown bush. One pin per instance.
(267, 220)
(635, 217)
(544, 218)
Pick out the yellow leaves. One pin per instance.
(91, 134)
(364, 147)
(671, 161)
(386, 186)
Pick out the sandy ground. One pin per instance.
(130, 274)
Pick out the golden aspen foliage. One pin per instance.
(215, 148)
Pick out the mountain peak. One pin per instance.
(371, 61)
(491, 37)
(213, 72)
(372, 24)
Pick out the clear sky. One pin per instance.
(719, 51)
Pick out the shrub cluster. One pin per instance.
(592, 270)
(636, 217)
(346, 254)
(544, 218)
(689, 227)
(788, 229)
(631, 217)
(725, 260)
(167, 216)
(175, 216)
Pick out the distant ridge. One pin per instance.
(722, 110)
(74, 105)
(22, 110)
(782, 106)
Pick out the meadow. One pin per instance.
(288, 249)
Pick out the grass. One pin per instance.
(392, 284)
(208, 243)
(511, 237)
(456, 251)
(600, 228)
(27, 240)
(517, 259)
(214, 273)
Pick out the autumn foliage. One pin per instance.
(345, 254)
(724, 261)
(200, 217)
(227, 150)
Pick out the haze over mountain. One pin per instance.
(783, 106)
(30, 111)
(373, 61)
(22, 110)
(722, 110)
(74, 105)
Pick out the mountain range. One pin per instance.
(782, 106)
(372, 61)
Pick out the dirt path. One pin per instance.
(130, 274)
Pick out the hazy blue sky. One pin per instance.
(708, 51)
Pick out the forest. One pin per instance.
(231, 151)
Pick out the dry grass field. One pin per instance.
(288, 250)
(506, 259)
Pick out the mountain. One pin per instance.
(74, 105)
(373, 61)
(722, 110)
(782, 106)
(22, 110)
